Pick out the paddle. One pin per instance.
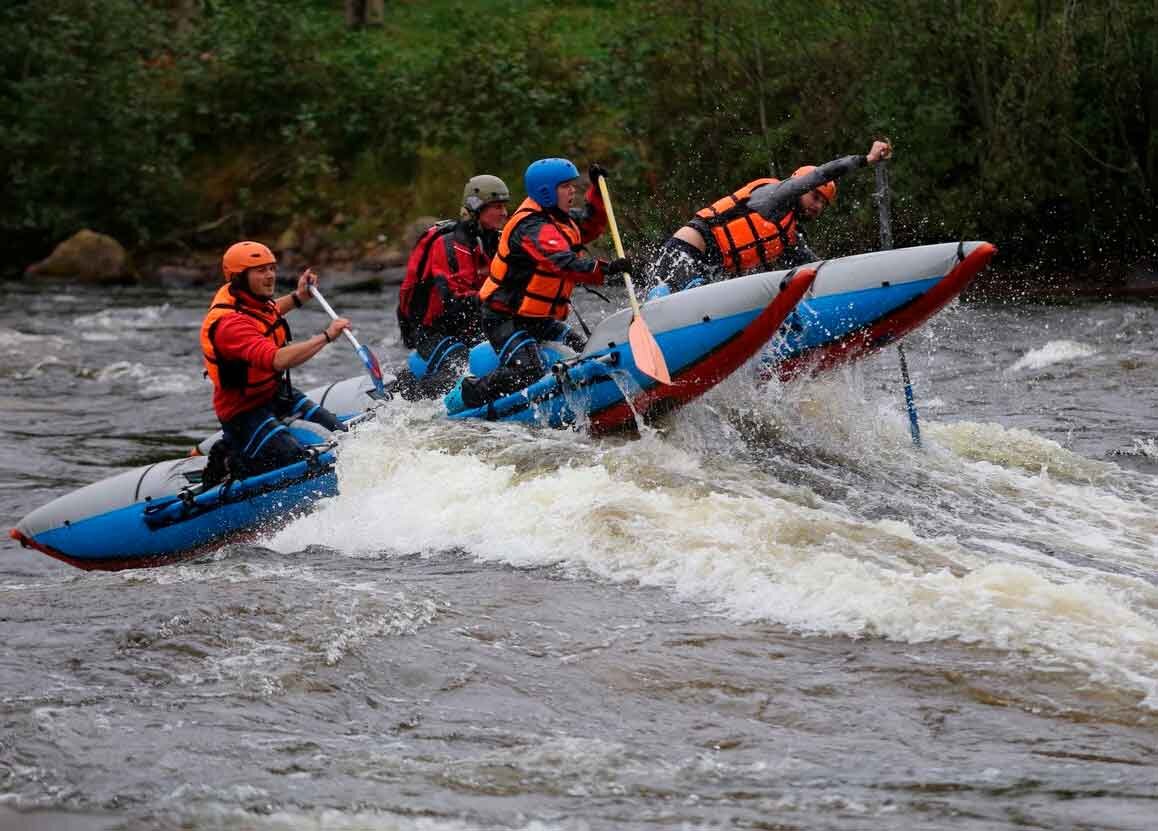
(882, 195)
(645, 350)
(368, 359)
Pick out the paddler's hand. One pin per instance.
(302, 292)
(334, 331)
(622, 265)
(880, 151)
(595, 172)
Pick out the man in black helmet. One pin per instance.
(438, 309)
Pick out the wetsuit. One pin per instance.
(681, 265)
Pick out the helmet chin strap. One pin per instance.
(240, 282)
(489, 238)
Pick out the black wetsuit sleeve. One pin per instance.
(773, 201)
(798, 254)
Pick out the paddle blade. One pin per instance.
(646, 352)
(372, 366)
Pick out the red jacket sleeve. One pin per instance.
(238, 337)
(545, 244)
(592, 218)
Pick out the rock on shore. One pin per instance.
(86, 255)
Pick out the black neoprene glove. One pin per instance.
(618, 266)
(595, 171)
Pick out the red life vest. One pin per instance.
(237, 386)
(747, 240)
(517, 284)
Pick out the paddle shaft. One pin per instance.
(645, 349)
(883, 207)
(618, 243)
(349, 335)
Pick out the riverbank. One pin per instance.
(222, 122)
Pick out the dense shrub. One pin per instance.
(1030, 123)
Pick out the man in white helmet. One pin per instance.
(438, 309)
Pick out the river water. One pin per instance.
(772, 612)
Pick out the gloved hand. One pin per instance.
(595, 171)
(618, 267)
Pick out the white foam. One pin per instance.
(223, 815)
(1146, 447)
(151, 382)
(1054, 352)
(1037, 550)
(122, 320)
(10, 338)
(751, 556)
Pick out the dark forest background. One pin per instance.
(183, 125)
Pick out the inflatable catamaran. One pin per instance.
(805, 320)
(162, 513)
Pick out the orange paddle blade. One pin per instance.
(644, 349)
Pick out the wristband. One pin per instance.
(297, 301)
(326, 334)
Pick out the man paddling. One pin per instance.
(541, 256)
(248, 352)
(754, 229)
(438, 309)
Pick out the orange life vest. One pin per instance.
(517, 284)
(747, 240)
(238, 376)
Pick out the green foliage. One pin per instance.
(1028, 123)
(87, 121)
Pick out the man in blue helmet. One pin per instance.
(540, 258)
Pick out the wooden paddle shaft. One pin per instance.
(618, 243)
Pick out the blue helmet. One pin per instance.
(543, 176)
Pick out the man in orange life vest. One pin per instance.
(246, 344)
(540, 258)
(754, 229)
(438, 309)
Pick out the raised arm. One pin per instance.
(773, 201)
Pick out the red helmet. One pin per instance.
(827, 190)
(242, 255)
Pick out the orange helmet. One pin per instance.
(242, 255)
(827, 190)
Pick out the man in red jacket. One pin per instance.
(438, 311)
(248, 352)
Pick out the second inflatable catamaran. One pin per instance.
(860, 304)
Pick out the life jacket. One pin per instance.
(745, 239)
(237, 378)
(414, 294)
(517, 285)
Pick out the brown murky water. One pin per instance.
(772, 613)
